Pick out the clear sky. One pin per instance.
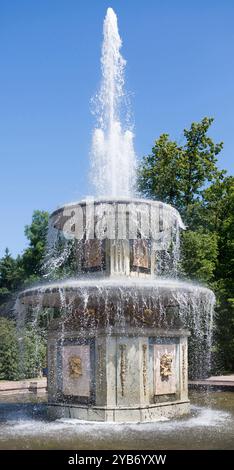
(180, 68)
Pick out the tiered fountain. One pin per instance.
(117, 345)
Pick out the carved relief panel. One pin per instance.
(76, 370)
(164, 369)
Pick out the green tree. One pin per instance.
(11, 273)
(177, 174)
(32, 351)
(160, 173)
(220, 207)
(14, 272)
(9, 357)
(187, 177)
(199, 255)
(22, 352)
(33, 256)
(199, 162)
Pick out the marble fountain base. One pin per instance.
(118, 376)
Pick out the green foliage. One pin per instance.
(199, 255)
(199, 160)
(187, 177)
(25, 356)
(159, 172)
(11, 273)
(34, 254)
(4, 295)
(177, 174)
(32, 352)
(23, 353)
(9, 357)
(25, 269)
(224, 222)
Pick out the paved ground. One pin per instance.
(221, 381)
(222, 378)
(40, 384)
(13, 386)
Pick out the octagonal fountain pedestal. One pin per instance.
(117, 343)
(118, 353)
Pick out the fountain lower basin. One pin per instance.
(210, 425)
(117, 350)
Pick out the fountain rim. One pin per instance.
(124, 200)
(98, 284)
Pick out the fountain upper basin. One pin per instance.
(109, 237)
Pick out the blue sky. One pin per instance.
(180, 68)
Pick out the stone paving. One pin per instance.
(220, 381)
(20, 386)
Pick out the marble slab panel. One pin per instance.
(164, 369)
(76, 370)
